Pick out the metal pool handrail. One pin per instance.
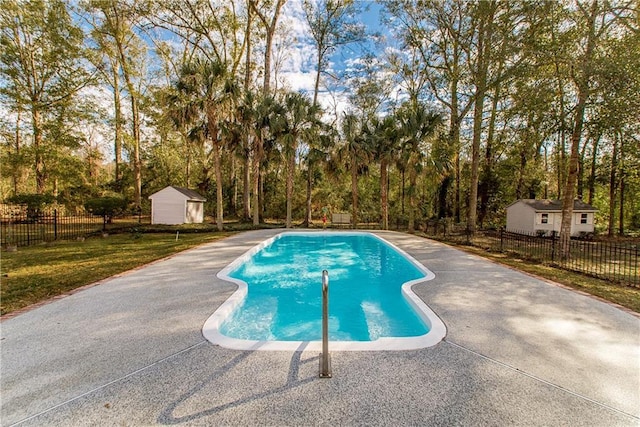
(325, 358)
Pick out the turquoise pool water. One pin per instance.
(278, 302)
(283, 300)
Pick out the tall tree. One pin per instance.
(41, 63)
(441, 35)
(354, 154)
(332, 24)
(113, 31)
(298, 122)
(209, 94)
(264, 113)
(268, 13)
(384, 138)
(417, 126)
(111, 35)
(485, 16)
(582, 79)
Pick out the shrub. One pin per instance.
(34, 203)
(107, 207)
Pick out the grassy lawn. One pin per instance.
(626, 296)
(36, 273)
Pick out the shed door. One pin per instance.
(168, 212)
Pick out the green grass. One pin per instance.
(37, 273)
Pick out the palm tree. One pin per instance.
(298, 121)
(354, 155)
(417, 126)
(318, 148)
(383, 137)
(262, 113)
(209, 95)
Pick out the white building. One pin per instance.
(530, 216)
(176, 205)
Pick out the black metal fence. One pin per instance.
(24, 228)
(613, 261)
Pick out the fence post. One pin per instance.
(55, 224)
(553, 245)
(635, 279)
(501, 239)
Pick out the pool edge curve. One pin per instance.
(437, 328)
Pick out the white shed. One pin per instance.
(176, 205)
(533, 216)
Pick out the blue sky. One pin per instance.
(298, 72)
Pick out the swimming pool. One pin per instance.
(278, 306)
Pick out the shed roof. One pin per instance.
(555, 205)
(191, 195)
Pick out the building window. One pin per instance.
(544, 218)
(583, 218)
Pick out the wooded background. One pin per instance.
(454, 109)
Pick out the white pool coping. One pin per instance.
(437, 329)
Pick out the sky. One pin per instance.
(298, 71)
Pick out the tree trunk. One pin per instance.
(270, 31)
(484, 41)
(583, 95)
(612, 187)
(135, 128)
(413, 178)
(135, 113)
(247, 181)
(454, 135)
(307, 216)
(561, 151)
(117, 143)
(256, 190)
(621, 187)
(580, 188)
(261, 201)
(17, 173)
(521, 173)
(290, 173)
(594, 164)
(137, 166)
(488, 180)
(247, 35)
(246, 188)
(316, 86)
(475, 162)
(233, 183)
(219, 196)
(621, 211)
(354, 193)
(384, 208)
(257, 159)
(443, 191)
(402, 188)
(41, 180)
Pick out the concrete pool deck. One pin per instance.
(518, 351)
